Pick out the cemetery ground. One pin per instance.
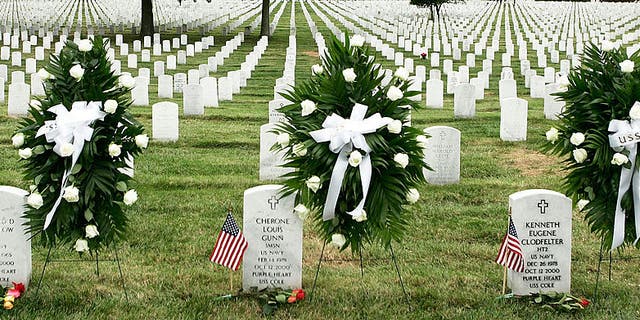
(446, 258)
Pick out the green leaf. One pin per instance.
(121, 186)
(76, 168)
(40, 149)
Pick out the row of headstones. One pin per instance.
(542, 218)
(274, 232)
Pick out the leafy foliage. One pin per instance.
(598, 92)
(96, 174)
(332, 94)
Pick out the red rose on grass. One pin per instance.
(584, 302)
(19, 286)
(291, 299)
(298, 293)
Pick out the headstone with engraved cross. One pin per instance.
(274, 233)
(542, 219)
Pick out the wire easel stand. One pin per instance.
(97, 260)
(393, 258)
(602, 257)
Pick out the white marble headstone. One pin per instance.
(442, 154)
(513, 119)
(165, 121)
(274, 235)
(464, 101)
(192, 98)
(542, 219)
(435, 94)
(15, 243)
(19, 97)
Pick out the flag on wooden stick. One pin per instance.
(230, 246)
(510, 254)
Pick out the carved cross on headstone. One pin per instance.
(543, 205)
(273, 201)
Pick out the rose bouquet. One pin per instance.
(357, 163)
(77, 149)
(12, 294)
(597, 136)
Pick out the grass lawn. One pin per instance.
(184, 187)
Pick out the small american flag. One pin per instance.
(510, 254)
(230, 246)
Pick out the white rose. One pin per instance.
(76, 72)
(71, 194)
(357, 41)
(626, 66)
(582, 203)
(114, 149)
(413, 195)
(283, 139)
(394, 93)
(35, 200)
(402, 159)
(301, 211)
(607, 45)
(142, 141)
(552, 135)
(313, 183)
(299, 150)
(130, 197)
(127, 81)
(395, 126)
(634, 113)
(110, 106)
(577, 138)
(308, 107)
(422, 141)
(619, 159)
(43, 74)
(91, 231)
(81, 245)
(18, 140)
(355, 158)
(338, 240)
(317, 69)
(66, 149)
(85, 45)
(360, 217)
(25, 153)
(580, 155)
(402, 74)
(35, 104)
(349, 75)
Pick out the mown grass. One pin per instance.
(446, 258)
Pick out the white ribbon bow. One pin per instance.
(343, 135)
(72, 127)
(626, 134)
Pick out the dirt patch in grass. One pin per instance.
(532, 163)
(312, 53)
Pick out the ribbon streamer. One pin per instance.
(72, 127)
(625, 134)
(344, 135)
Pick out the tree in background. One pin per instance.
(146, 25)
(434, 6)
(264, 26)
